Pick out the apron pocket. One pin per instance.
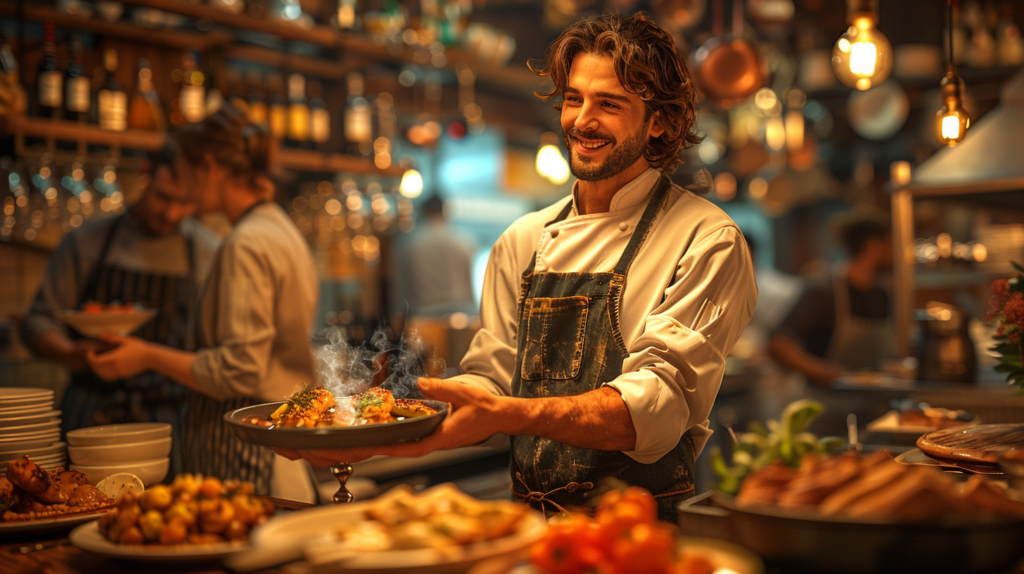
(555, 331)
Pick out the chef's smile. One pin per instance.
(589, 146)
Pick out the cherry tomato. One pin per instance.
(645, 549)
(560, 552)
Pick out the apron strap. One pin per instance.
(643, 226)
(90, 285)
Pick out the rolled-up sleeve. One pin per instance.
(59, 290)
(674, 368)
(244, 328)
(491, 359)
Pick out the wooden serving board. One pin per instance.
(982, 444)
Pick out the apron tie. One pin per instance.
(542, 497)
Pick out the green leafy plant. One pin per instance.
(1007, 315)
(785, 439)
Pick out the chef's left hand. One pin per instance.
(473, 417)
(127, 359)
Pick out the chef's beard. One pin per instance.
(621, 157)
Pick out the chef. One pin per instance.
(155, 254)
(607, 317)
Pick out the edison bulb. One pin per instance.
(862, 56)
(952, 120)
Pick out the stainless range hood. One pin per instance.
(989, 160)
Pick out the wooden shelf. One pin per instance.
(178, 39)
(290, 158)
(320, 35)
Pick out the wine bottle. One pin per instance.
(319, 116)
(113, 100)
(49, 81)
(277, 108)
(77, 87)
(144, 110)
(298, 111)
(358, 117)
(257, 101)
(192, 95)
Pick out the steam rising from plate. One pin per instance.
(347, 370)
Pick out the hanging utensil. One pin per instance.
(727, 68)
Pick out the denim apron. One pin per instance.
(569, 343)
(149, 397)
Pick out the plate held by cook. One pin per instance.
(312, 438)
(96, 324)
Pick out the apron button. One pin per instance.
(553, 233)
(624, 226)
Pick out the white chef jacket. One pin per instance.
(688, 296)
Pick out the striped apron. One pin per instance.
(149, 397)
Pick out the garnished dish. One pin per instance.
(95, 307)
(192, 510)
(94, 318)
(31, 493)
(875, 487)
(402, 530)
(319, 408)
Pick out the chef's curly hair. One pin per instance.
(246, 149)
(646, 63)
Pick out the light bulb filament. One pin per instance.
(863, 58)
(950, 127)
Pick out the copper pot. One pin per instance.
(727, 68)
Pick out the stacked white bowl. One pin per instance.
(29, 425)
(141, 449)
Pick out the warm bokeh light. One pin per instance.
(551, 164)
(412, 184)
(862, 57)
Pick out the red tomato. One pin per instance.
(92, 307)
(645, 549)
(559, 551)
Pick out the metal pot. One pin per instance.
(727, 68)
(946, 352)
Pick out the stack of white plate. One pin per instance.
(141, 449)
(29, 425)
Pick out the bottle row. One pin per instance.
(294, 109)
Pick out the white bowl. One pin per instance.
(118, 434)
(120, 453)
(149, 471)
(96, 324)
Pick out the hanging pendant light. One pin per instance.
(862, 56)
(952, 120)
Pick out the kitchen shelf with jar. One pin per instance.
(304, 160)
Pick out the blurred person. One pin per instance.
(843, 324)
(256, 312)
(156, 255)
(435, 267)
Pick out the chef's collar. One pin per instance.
(639, 189)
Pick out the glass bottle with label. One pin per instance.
(77, 87)
(49, 80)
(319, 116)
(358, 117)
(257, 101)
(192, 96)
(277, 108)
(113, 100)
(144, 110)
(298, 111)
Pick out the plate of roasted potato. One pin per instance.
(193, 519)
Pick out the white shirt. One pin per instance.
(688, 296)
(257, 311)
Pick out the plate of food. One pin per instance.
(195, 519)
(33, 499)
(316, 419)
(857, 513)
(439, 529)
(921, 420)
(981, 444)
(95, 319)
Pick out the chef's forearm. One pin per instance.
(172, 363)
(790, 354)
(56, 346)
(598, 420)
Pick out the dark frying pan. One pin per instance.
(331, 437)
(803, 541)
(727, 68)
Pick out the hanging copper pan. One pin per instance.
(727, 68)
